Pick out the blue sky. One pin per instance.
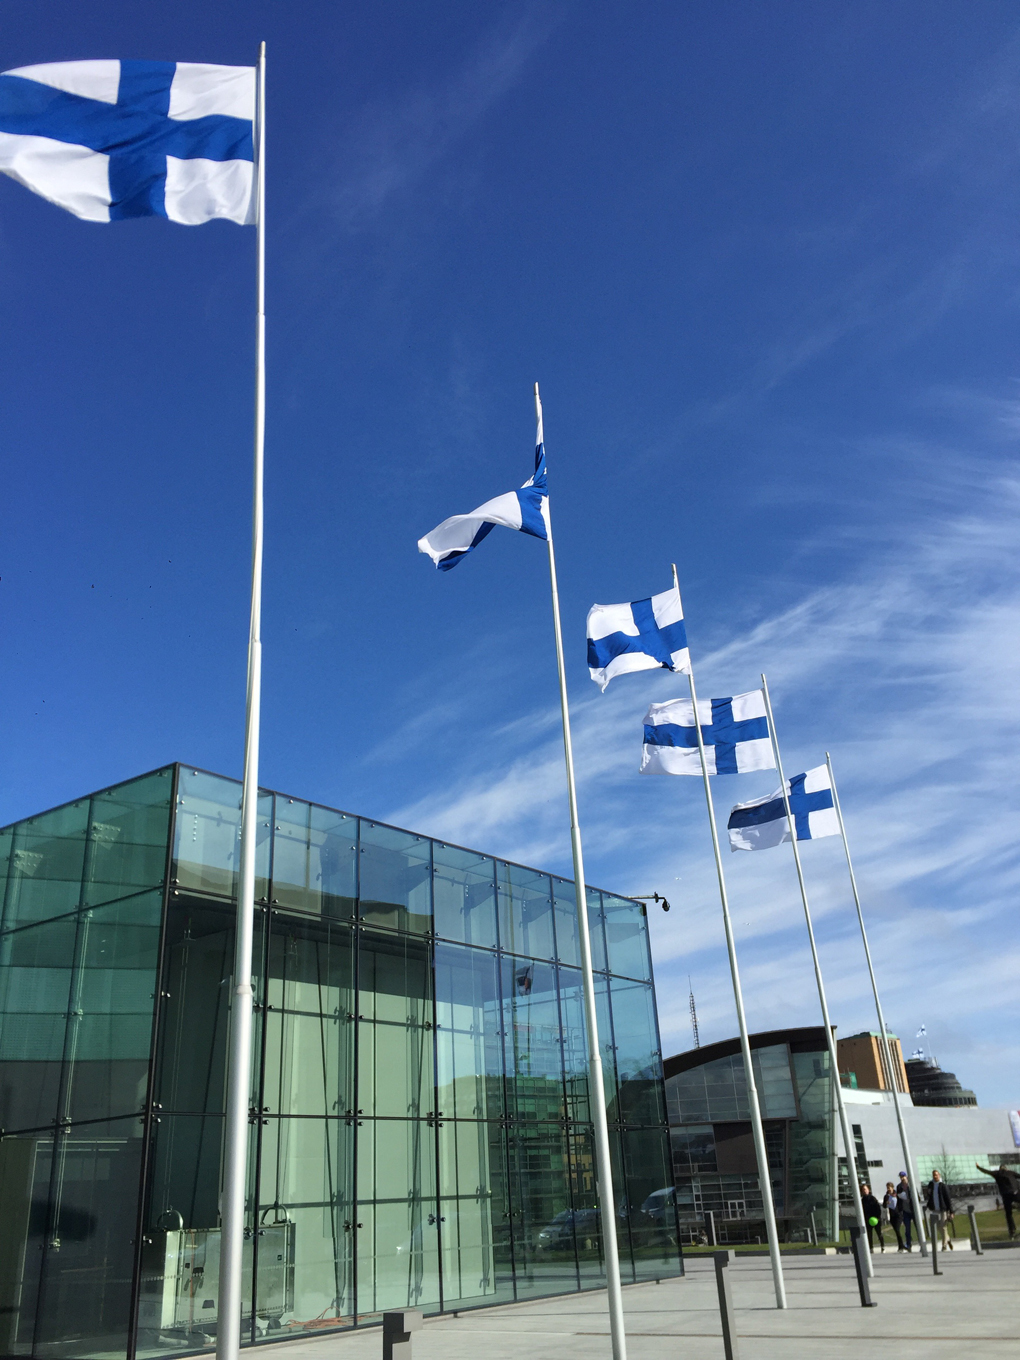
(763, 261)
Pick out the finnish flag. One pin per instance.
(640, 636)
(761, 823)
(524, 509)
(114, 139)
(735, 733)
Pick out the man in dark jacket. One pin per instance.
(1008, 1187)
(938, 1203)
(872, 1217)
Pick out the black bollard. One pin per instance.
(975, 1236)
(933, 1226)
(396, 1333)
(722, 1282)
(862, 1274)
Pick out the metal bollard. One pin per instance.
(975, 1236)
(933, 1224)
(814, 1230)
(713, 1240)
(396, 1333)
(862, 1271)
(722, 1283)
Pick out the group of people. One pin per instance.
(896, 1207)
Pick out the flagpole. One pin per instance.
(764, 1176)
(596, 1084)
(235, 1138)
(883, 1031)
(848, 1140)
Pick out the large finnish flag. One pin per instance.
(523, 509)
(735, 733)
(114, 139)
(640, 636)
(761, 823)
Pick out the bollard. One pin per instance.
(713, 1241)
(814, 1230)
(933, 1225)
(396, 1333)
(975, 1236)
(862, 1271)
(729, 1326)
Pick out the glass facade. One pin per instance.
(714, 1161)
(419, 1114)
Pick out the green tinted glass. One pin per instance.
(394, 886)
(127, 841)
(314, 859)
(525, 911)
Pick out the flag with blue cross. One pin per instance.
(735, 733)
(643, 635)
(762, 823)
(114, 139)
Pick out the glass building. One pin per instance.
(420, 1125)
(714, 1161)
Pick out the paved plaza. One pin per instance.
(971, 1309)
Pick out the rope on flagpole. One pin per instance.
(761, 1151)
(848, 1139)
(883, 1031)
(596, 1084)
(235, 1161)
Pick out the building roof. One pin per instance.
(806, 1039)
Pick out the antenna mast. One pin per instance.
(694, 1014)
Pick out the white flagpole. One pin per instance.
(235, 1135)
(886, 1046)
(764, 1176)
(596, 1085)
(848, 1140)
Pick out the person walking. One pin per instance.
(872, 1217)
(891, 1205)
(1008, 1186)
(906, 1208)
(939, 1204)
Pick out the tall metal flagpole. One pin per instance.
(764, 1177)
(886, 1046)
(848, 1139)
(596, 1085)
(235, 1136)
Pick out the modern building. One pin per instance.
(862, 1062)
(420, 1129)
(929, 1085)
(714, 1162)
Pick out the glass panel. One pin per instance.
(811, 1142)
(128, 838)
(314, 859)
(575, 1042)
(543, 1214)
(464, 891)
(774, 1081)
(394, 885)
(309, 1052)
(627, 937)
(651, 1203)
(207, 835)
(568, 947)
(395, 1062)
(474, 1220)
(531, 1025)
(36, 966)
(398, 1218)
(596, 931)
(469, 1044)
(198, 965)
(525, 911)
(638, 1061)
(69, 1214)
(47, 861)
(305, 1244)
(712, 1093)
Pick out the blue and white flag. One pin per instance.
(524, 510)
(761, 823)
(735, 733)
(640, 636)
(114, 139)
